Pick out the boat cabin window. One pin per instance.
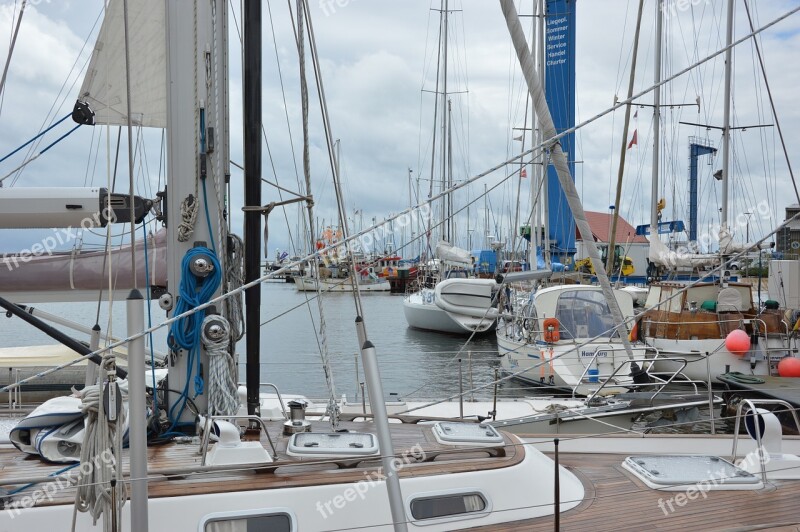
(447, 505)
(276, 522)
(584, 314)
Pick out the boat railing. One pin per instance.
(278, 393)
(15, 394)
(649, 322)
(759, 427)
(659, 386)
(207, 433)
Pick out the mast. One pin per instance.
(252, 194)
(561, 163)
(196, 104)
(656, 121)
(615, 217)
(726, 126)
(449, 170)
(445, 118)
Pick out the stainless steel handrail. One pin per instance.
(278, 393)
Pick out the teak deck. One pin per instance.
(614, 499)
(174, 467)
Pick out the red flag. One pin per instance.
(635, 140)
(523, 173)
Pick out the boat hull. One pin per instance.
(307, 284)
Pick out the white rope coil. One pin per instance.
(101, 449)
(188, 218)
(223, 399)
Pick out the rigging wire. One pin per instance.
(11, 52)
(405, 212)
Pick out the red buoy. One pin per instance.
(789, 367)
(738, 342)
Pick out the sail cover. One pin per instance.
(663, 256)
(85, 271)
(104, 87)
(447, 252)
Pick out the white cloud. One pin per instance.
(375, 55)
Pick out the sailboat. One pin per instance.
(692, 324)
(286, 475)
(445, 476)
(449, 300)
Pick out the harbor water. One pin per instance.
(413, 363)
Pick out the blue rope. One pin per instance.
(59, 139)
(193, 292)
(54, 473)
(185, 333)
(37, 136)
(150, 321)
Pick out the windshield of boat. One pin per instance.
(584, 314)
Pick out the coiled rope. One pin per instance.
(193, 292)
(102, 444)
(184, 333)
(222, 386)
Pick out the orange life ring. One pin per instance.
(551, 332)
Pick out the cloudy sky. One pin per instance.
(379, 65)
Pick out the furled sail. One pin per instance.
(104, 88)
(447, 252)
(663, 256)
(81, 272)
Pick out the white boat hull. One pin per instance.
(719, 361)
(564, 364)
(457, 306)
(362, 505)
(308, 284)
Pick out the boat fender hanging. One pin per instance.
(551, 332)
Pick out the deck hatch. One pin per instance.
(452, 433)
(333, 444)
(679, 473)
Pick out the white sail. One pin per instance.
(104, 87)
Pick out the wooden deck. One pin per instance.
(616, 501)
(175, 468)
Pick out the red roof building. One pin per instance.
(600, 224)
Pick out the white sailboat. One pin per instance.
(294, 474)
(452, 301)
(445, 476)
(691, 321)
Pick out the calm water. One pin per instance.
(413, 363)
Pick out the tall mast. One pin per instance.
(189, 98)
(445, 214)
(624, 148)
(252, 194)
(656, 122)
(726, 126)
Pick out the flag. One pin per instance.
(523, 173)
(636, 114)
(518, 138)
(635, 140)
